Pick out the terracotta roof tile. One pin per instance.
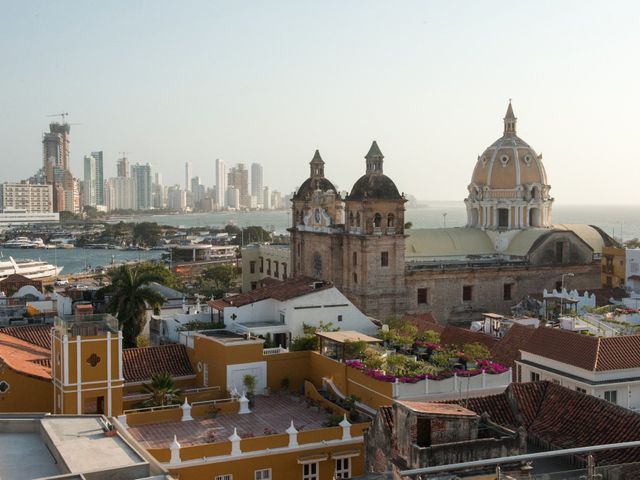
(459, 336)
(507, 350)
(424, 321)
(584, 351)
(24, 357)
(36, 334)
(140, 364)
(563, 418)
(285, 290)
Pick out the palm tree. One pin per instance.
(129, 296)
(162, 391)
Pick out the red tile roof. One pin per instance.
(140, 364)
(285, 290)
(460, 336)
(584, 351)
(36, 334)
(424, 321)
(24, 357)
(563, 418)
(507, 350)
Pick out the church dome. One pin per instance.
(509, 188)
(374, 184)
(316, 180)
(509, 163)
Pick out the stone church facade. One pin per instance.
(508, 249)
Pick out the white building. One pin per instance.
(121, 193)
(141, 174)
(233, 197)
(221, 184)
(605, 367)
(256, 180)
(187, 176)
(25, 197)
(282, 309)
(633, 270)
(266, 202)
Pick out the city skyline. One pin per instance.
(435, 99)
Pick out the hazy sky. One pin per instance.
(272, 81)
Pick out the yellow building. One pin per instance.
(613, 267)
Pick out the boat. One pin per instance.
(24, 242)
(33, 269)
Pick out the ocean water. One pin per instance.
(76, 259)
(612, 219)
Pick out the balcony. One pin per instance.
(391, 230)
(377, 231)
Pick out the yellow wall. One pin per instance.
(613, 267)
(26, 394)
(292, 365)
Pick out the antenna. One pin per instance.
(62, 115)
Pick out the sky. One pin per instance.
(271, 81)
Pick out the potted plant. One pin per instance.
(249, 382)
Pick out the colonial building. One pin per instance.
(509, 247)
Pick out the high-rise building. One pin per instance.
(233, 197)
(159, 192)
(123, 167)
(276, 200)
(256, 180)
(266, 199)
(238, 177)
(141, 174)
(89, 191)
(55, 148)
(120, 193)
(26, 197)
(99, 177)
(221, 184)
(187, 176)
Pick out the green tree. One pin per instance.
(633, 243)
(217, 280)
(168, 278)
(129, 296)
(162, 391)
(476, 351)
(146, 233)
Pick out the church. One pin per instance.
(509, 248)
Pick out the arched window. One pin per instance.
(377, 220)
(351, 218)
(358, 219)
(391, 220)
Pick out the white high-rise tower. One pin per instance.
(221, 183)
(187, 176)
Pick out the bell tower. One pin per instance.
(86, 365)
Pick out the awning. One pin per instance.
(318, 457)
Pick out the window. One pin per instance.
(535, 377)
(343, 468)
(268, 267)
(377, 220)
(252, 267)
(254, 285)
(555, 381)
(226, 476)
(284, 270)
(506, 291)
(558, 286)
(264, 474)
(276, 267)
(262, 261)
(310, 471)
(391, 221)
(384, 259)
(339, 318)
(355, 277)
(467, 293)
(422, 296)
(611, 396)
(503, 217)
(581, 390)
(355, 259)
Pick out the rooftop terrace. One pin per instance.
(270, 414)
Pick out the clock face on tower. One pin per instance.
(317, 264)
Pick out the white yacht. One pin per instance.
(34, 269)
(24, 242)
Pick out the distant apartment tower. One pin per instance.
(233, 197)
(99, 177)
(159, 192)
(26, 197)
(238, 177)
(221, 184)
(123, 167)
(55, 148)
(266, 199)
(89, 196)
(256, 180)
(141, 175)
(120, 193)
(187, 176)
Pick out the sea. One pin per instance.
(621, 221)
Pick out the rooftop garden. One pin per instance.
(408, 356)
